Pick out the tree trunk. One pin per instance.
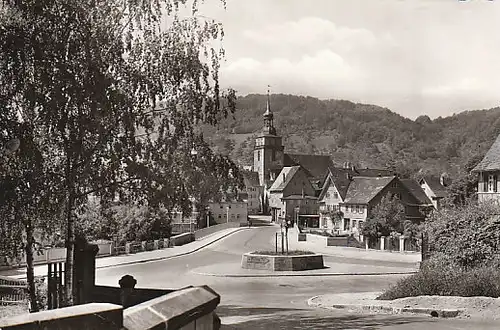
(30, 270)
(70, 252)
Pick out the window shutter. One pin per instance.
(495, 183)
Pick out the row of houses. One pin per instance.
(313, 189)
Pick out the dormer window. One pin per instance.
(284, 177)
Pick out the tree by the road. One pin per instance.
(88, 75)
(386, 217)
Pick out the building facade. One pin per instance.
(232, 211)
(488, 171)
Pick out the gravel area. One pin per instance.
(480, 308)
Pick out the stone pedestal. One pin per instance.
(382, 243)
(401, 244)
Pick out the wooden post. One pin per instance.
(276, 240)
(282, 243)
(286, 241)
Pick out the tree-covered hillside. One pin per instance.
(368, 135)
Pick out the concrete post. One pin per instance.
(366, 243)
(127, 248)
(382, 243)
(401, 243)
(127, 284)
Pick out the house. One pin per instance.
(488, 171)
(252, 192)
(349, 194)
(229, 211)
(334, 190)
(435, 189)
(292, 194)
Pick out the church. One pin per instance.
(270, 159)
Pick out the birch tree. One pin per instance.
(88, 75)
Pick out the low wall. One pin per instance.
(191, 308)
(182, 239)
(215, 228)
(41, 257)
(88, 316)
(282, 262)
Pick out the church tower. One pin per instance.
(268, 150)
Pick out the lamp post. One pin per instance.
(227, 213)
(208, 216)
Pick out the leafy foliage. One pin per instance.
(468, 235)
(387, 217)
(110, 89)
(442, 279)
(366, 135)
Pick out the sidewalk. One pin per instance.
(141, 257)
(319, 246)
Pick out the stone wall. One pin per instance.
(191, 308)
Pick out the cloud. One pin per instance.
(430, 57)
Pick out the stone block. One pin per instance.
(88, 316)
(282, 262)
(175, 310)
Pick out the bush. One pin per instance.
(438, 276)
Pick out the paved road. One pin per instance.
(273, 303)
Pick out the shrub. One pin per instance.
(469, 234)
(439, 276)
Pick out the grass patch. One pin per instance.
(436, 279)
(290, 253)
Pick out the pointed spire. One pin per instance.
(268, 109)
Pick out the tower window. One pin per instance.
(258, 156)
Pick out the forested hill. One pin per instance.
(367, 135)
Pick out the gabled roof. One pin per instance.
(437, 188)
(363, 189)
(289, 172)
(342, 177)
(491, 161)
(416, 190)
(316, 166)
(250, 178)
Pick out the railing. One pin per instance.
(12, 291)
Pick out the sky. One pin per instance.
(415, 57)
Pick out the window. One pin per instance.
(353, 223)
(492, 183)
(327, 195)
(220, 216)
(360, 224)
(347, 223)
(357, 209)
(336, 195)
(237, 216)
(258, 155)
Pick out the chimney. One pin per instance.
(443, 179)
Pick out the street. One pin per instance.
(274, 302)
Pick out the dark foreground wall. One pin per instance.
(191, 308)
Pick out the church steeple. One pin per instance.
(268, 117)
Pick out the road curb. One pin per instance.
(174, 256)
(302, 275)
(444, 313)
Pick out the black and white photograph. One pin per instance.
(249, 164)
